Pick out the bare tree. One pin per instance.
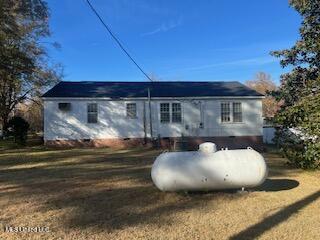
(264, 84)
(154, 77)
(26, 70)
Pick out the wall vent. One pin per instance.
(64, 107)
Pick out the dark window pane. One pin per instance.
(225, 112)
(92, 113)
(131, 110)
(176, 112)
(164, 112)
(237, 112)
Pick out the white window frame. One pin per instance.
(170, 112)
(231, 112)
(67, 109)
(221, 111)
(167, 112)
(176, 112)
(131, 116)
(92, 113)
(239, 112)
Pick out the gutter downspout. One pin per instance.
(144, 122)
(150, 114)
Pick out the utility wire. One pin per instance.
(117, 41)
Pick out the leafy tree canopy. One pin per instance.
(304, 56)
(19, 129)
(300, 88)
(25, 67)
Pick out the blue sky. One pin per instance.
(173, 40)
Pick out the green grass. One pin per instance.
(108, 194)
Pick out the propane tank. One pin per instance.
(208, 169)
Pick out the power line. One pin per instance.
(118, 41)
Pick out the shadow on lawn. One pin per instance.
(275, 185)
(126, 196)
(266, 224)
(270, 185)
(124, 207)
(105, 189)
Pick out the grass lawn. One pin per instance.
(108, 194)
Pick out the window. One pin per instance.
(131, 110)
(164, 112)
(64, 106)
(92, 113)
(237, 112)
(176, 112)
(225, 112)
(235, 108)
(174, 109)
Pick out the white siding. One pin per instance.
(268, 135)
(113, 123)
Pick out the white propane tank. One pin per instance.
(208, 169)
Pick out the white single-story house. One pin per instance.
(130, 113)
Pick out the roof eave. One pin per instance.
(154, 98)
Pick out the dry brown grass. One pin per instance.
(107, 194)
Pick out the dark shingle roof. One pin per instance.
(158, 89)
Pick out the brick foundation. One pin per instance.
(191, 143)
(255, 142)
(112, 143)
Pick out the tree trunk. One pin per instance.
(4, 122)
